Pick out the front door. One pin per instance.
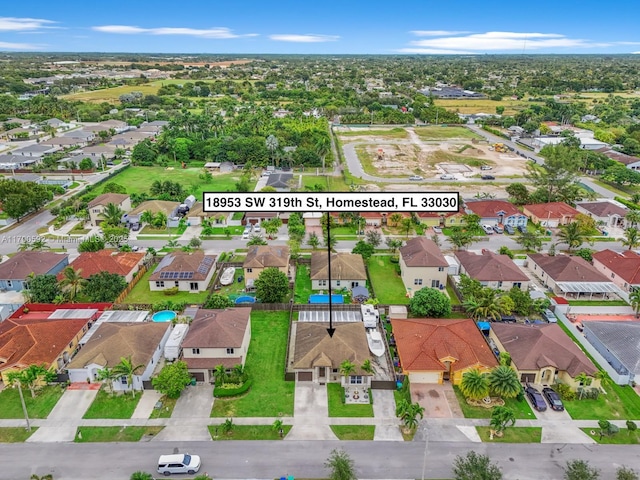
(322, 374)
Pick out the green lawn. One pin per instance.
(15, 434)
(138, 179)
(270, 395)
(114, 434)
(598, 303)
(39, 407)
(142, 294)
(221, 231)
(248, 432)
(176, 231)
(234, 288)
(444, 133)
(329, 183)
(361, 132)
(513, 435)
(338, 409)
(452, 295)
(521, 409)
(117, 405)
(166, 410)
(387, 284)
(354, 432)
(302, 288)
(623, 437)
(619, 403)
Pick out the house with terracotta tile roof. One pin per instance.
(492, 270)
(189, 271)
(142, 341)
(216, 337)
(14, 272)
(347, 270)
(606, 211)
(623, 268)
(126, 264)
(435, 350)
(571, 277)
(542, 354)
(37, 341)
(496, 212)
(550, 214)
(97, 206)
(435, 219)
(260, 257)
(422, 265)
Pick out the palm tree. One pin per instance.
(474, 385)
(395, 219)
(367, 367)
(159, 220)
(504, 382)
(112, 214)
(501, 418)
(582, 378)
(146, 217)
(572, 235)
(410, 415)
(39, 244)
(407, 226)
(107, 375)
(72, 282)
(220, 373)
(631, 238)
(127, 369)
(633, 217)
(484, 305)
(313, 240)
(347, 368)
(272, 145)
(24, 246)
(634, 298)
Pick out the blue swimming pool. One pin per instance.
(245, 299)
(164, 316)
(324, 298)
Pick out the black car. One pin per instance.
(536, 398)
(488, 177)
(553, 399)
(521, 228)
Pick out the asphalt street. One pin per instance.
(273, 459)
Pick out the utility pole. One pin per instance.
(24, 406)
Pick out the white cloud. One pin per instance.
(437, 33)
(434, 51)
(217, 32)
(307, 38)
(19, 46)
(13, 24)
(503, 41)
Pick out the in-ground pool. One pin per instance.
(164, 316)
(246, 299)
(324, 298)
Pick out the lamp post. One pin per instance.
(24, 406)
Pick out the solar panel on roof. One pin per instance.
(207, 260)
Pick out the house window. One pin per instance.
(613, 275)
(441, 269)
(500, 284)
(71, 345)
(177, 284)
(230, 351)
(123, 380)
(517, 284)
(9, 284)
(160, 284)
(355, 380)
(195, 351)
(335, 370)
(322, 283)
(417, 281)
(249, 270)
(193, 286)
(337, 283)
(435, 283)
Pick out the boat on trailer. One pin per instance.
(376, 344)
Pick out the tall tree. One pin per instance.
(558, 177)
(172, 379)
(127, 369)
(272, 285)
(501, 418)
(631, 238)
(504, 382)
(475, 467)
(572, 235)
(42, 288)
(72, 282)
(112, 214)
(104, 286)
(31, 377)
(474, 385)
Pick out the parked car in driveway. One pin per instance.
(549, 316)
(488, 229)
(553, 398)
(498, 229)
(521, 228)
(437, 230)
(536, 398)
(509, 229)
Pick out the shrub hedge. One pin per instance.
(219, 392)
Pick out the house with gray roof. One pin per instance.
(36, 150)
(422, 265)
(606, 211)
(492, 270)
(618, 343)
(14, 272)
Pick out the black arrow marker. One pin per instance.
(330, 330)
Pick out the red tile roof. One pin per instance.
(625, 264)
(424, 343)
(551, 210)
(112, 261)
(491, 208)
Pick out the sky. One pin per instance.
(321, 27)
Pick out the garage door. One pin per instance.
(528, 377)
(424, 377)
(199, 376)
(305, 376)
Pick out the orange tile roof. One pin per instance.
(491, 208)
(624, 264)
(110, 261)
(423, 343)
(550, 210)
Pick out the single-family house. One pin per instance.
(260, 257)
(36, 150)
(12, 162)
(143, 342)
(196, 214)
(65, 142)
(552, 214)
(58, 124)
(607, 212)
(14, 272)
(623, 268)
(189, 271)
(542, 354)
(316, 357)
(256, 218)
(216, 337)
(170, 209)
(347, 270)
(496, 212)
(280, 181)
(125, 264)
(629, 161)
(83, 135)
(98, 205)
(492, 270)
(437, 350)
(619, 344)
(570, 276)
(51, 342)
(422, 265)
(438, 219)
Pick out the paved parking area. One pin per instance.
(195, 401)
(439, 401)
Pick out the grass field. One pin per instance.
(513, 435)
(354, 432)
(15, 434)
(111, 94)
(248, 432)
(141, 293)
(114, 434)
(270, 395)
(387, 284)
(483, 105)
(521, 409)
(117, 405)
(38, 407)
(623, 437)
(444, 133)
(381, 133)
(328, 182)
(339, 409)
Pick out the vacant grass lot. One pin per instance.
(270, 395)
(114, 434)
(623, 437)
(39, 407)
(444, 133)
(513, 435)
(248, 432)
(354, 432)
(387, 284)
(328, 183)
(483, 105)
(521, 409)
(335, 394)
(15, 434)
(141, 293)
(117, 405)
(381, 133)
(302, 288)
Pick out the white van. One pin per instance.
(168, 464)
(447, 176)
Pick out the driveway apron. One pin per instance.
(186, 424)
(310, 413)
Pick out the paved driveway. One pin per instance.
(185, 423)
(310, 413)
(439, 401)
